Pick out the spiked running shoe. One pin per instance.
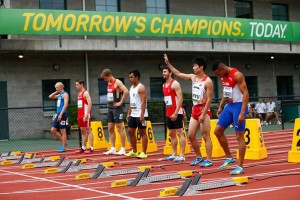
(61, 150)
(79, 151)
(88, 151)
(131, 154)
(227, 162)
(237, 170)
(206, 163)
(170, 157)
(179, 159)
(142, 155)
(196, 161)
(110, 152)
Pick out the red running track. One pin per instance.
(271, 178)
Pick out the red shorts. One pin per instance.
(82, 123)
(197, 111)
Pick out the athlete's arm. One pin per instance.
(122, 87)
(143, 94)
(175, 71)
(209, 93)
(54, 95)
(177, 88)
(240, 80)
(87, 96)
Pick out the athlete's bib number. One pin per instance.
(79, 103)
(168, 101)
(58, 102)
(110, 97)
(197, 93)
(227, 92)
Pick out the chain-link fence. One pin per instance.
(28, 128)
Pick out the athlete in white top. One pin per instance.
(137, 112)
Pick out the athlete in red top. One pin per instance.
(116, 96)
(84, 104)
(235, 94)
(174, 113)
(202, 95)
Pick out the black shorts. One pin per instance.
(63, 122)
(177, 124)
(134, 122)
(115, 115)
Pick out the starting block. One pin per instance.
(13, 156)
(100, 173)
(76, 167)
(20, 159)
(193, 186)
(144, 178)
(14, 153)
(46, 164)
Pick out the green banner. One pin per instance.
(58, 22)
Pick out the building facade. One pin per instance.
(271, 68)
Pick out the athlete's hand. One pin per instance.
(85, 118)
(117, 104)
(241, 118)
(166, 59)
(219, 111)
(173, 117)
(201, 118)
(59, 118)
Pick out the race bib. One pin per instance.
(58, 103)
(110, 97)
(227, 92)
(197, 93)
(79, 103)
(133, 105)
(168, 101)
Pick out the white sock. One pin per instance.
(92, 148)
(83, 147)
(123, 148)
(112, 148)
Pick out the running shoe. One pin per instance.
(196, 161)
(88, 151)
(237, 170)
(121, 151)
(110, 152)
(206, 163)
(170, 157)
(131, 154)
(179, 159)
(61, 150)
(142, 155)
(227, 162)
(79, 151)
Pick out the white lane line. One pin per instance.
(70, 185)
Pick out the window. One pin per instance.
(285, 85)
(107, 5)
(215, 89)
(48, 88)
(280, 12)
(102, 86)
(156, 92)
(53, 4)
(251, 82)
(157, 6)
(243, 9)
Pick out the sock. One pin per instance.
(92, 148)
(112, 148)
(83, 147)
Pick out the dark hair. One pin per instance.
(216, 64)
(167, 68)
(201, 61)
(136, 73)
(81, 82)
